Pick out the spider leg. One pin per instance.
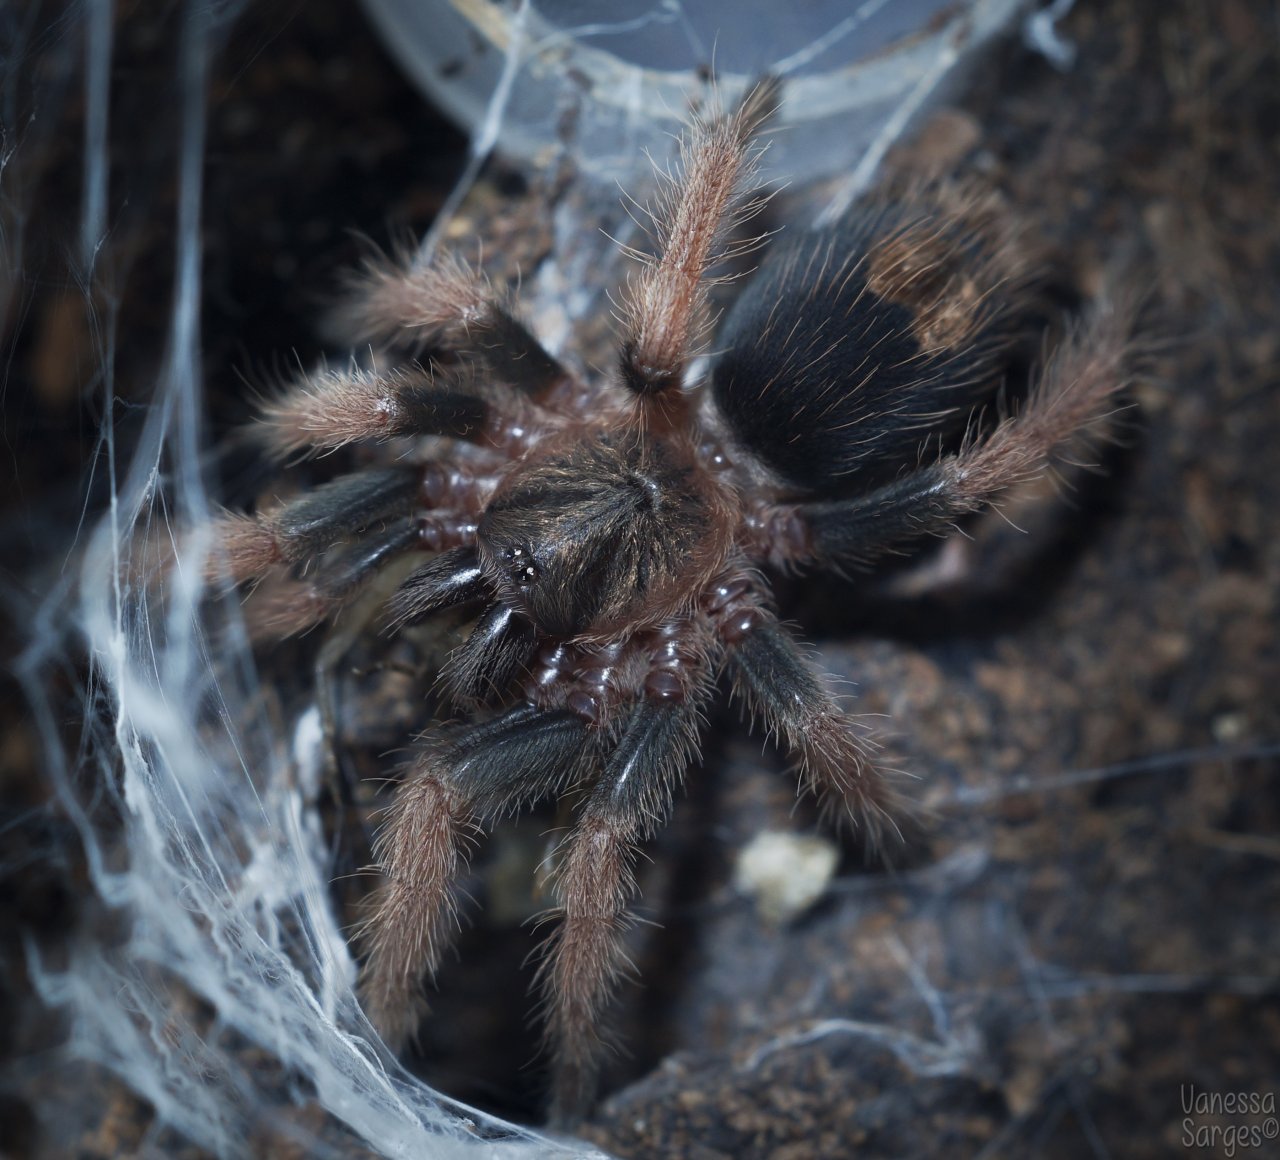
(375, 508)
(595, 880)
(480, 770)
(782, 687)
(447, 305)
(664, 313)
(452, 577)
(332, 408)
(1074, 396)
(485, 664)
(339, 577)
(284, 607)
(250, 546)
(837, 759)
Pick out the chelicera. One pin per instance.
(615, 533)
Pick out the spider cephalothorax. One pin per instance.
(611, 531)
(613, 534)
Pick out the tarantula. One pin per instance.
(613, 533)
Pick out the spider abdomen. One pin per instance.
(860, 349)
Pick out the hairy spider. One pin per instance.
(614, 533)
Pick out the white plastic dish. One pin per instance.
(614, 80)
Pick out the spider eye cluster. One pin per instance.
(521, 568)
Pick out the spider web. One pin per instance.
(227, 1002)
(230, 999)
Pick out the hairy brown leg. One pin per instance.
(630, 800)
(413, 914)
(781, 686)
(347, 531)
(481, 770)
(450, 306)
(332, 408)
(665, 308)
(248, 547)
(836, 755)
